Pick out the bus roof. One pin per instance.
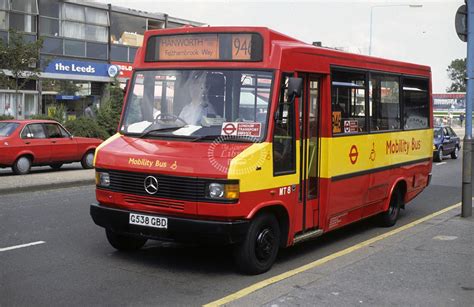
(275, 46)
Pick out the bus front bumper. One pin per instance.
(179, 229)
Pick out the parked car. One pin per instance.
(27, 143)
(445, 142)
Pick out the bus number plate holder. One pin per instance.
(148, 220)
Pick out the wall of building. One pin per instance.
(84, 43)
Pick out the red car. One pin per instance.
(26, 143)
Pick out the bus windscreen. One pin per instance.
(205, 47)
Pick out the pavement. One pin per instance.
(40, 178)
(427, 264)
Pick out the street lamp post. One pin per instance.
(388, 5)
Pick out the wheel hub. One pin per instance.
(265, 244)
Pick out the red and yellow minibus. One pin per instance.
(245, 136)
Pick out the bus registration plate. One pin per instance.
(148, 220)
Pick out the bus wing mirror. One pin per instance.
(295, 88)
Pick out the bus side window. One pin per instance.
(348, 102)
(284, 134)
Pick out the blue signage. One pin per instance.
(69, 67)
(67, 97)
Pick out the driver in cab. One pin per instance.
(198, 107)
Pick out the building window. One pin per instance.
(49, 26)
(73, 29)
(416, 100)
(97, 51)
(131, 54)
(74, 48)
(348, 102)
(84, 23)
(4, 36)
(384, 103)
(49, 8)
(4, 4)
(3, 20)
(155, 24)
(119, 53)
(96, 33)
(23, 22)
(52, 45)
(96, 16)
(25, 6)
(126, 29)
(74, 12)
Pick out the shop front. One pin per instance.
(71, 86)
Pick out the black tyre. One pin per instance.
(390, 217)
(56, 166)
(257, 253)
(455, 153)
(439, 155)
(87, 161)
(124, 242)
(22, 165)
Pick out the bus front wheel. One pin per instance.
(124, 242)
(390, 217)
(257, 253)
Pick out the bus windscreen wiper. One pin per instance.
(162, 129)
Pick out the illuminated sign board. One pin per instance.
(205, 47)
(189, 47)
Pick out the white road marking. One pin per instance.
(440, 163)
(21, 246)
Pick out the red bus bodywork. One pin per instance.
(342, 198)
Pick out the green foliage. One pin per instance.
(108, 116)
(21, 58)
(58, 114)
(86, 127)
(43, 117)
(6, 117)
(457, 73)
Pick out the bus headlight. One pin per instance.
(102, 179)
(224, 191)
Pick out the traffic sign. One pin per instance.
(460, 22)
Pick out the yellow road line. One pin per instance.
(264, 283)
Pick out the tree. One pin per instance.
(108, 116)
(21, 59)
(457, 73)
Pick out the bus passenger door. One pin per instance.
(309, 149)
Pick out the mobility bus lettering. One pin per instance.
(150, 164)
(397, 147)
(402, 146)
(140, 162)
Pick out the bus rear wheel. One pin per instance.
(390, 217)
(257, 253)
(124, 242)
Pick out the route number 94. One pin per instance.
(241, 46)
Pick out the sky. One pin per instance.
(423, 35)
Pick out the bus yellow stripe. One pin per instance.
(351, 154)
(108, 141)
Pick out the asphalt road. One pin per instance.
(76, 265)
